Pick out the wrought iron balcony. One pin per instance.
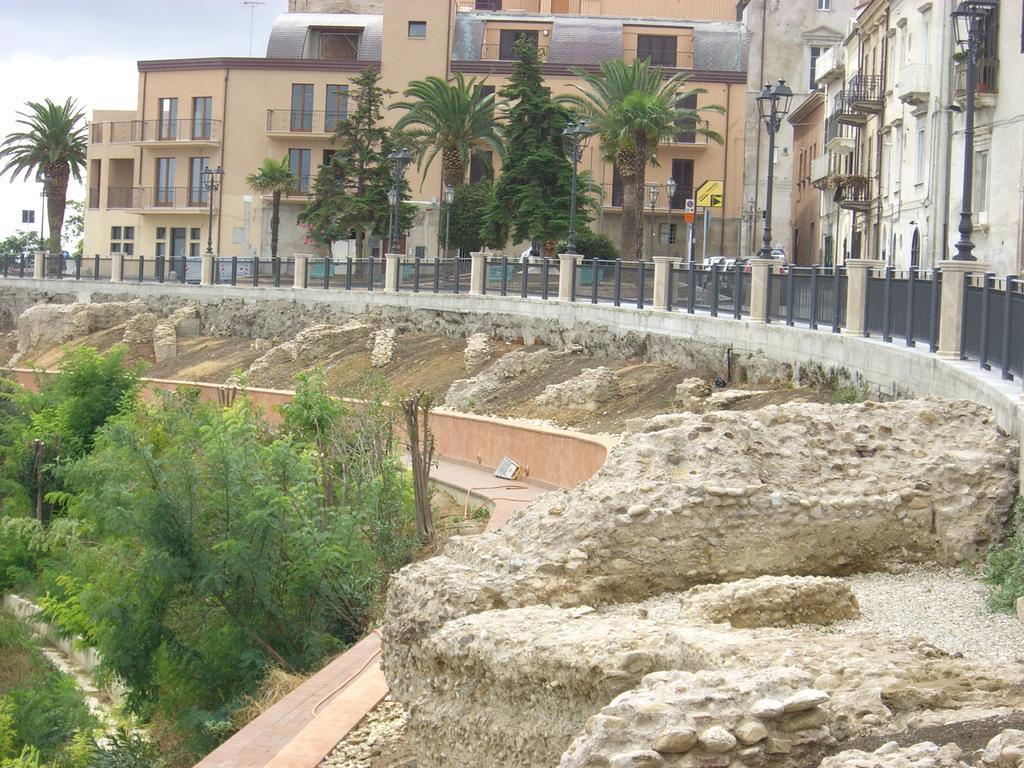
(865, 93)
(853, 193)
(160, 199)
(289, 121)
(843, 112)
(183, 131)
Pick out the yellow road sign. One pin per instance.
(711, 194)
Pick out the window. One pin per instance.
(508, 38)
(824, 5)
(667, 234)
(897, 153)
(481, 166)
(339, 46)
(302, 107)
(122, 240)
(682, 172)
(202, 123)
(328, 154)
(28, 216)
(337, 106)
(198, 194)
(164, 181)
(298, 162)
(815, 53)
(922, 152)
(167, 129)
(194, 240)
(926, 33)
(981, 181)
(417, 29)
(659, 49)
(686, 124)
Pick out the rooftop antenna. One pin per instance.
(252, 14)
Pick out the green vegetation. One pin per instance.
(273, 177)
(593, 245)
(198, 548)
(469, 209)
(1004, 571)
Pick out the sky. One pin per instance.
(91, 54)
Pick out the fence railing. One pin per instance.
(303, 121)
(904, 306)
(166, 130)
(147, 198)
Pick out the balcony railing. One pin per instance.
(679, 60)
(689, 136)
(647, 9)
(864, 93)
(303, 121)
(988, 78)
(499, 52)
(159, 198)
(94, 197)
(843, 112)
(185, 130)
(853, 193)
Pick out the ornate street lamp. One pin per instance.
(401, 158)
(652, 199)
(211, 180)
(577, 133)
(670, 187)
(43, 177)
(449, 198)
(772, 106)
(971, 21)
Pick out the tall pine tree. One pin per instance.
(351, 191)
(532, 197)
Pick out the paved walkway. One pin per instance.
(303, 727)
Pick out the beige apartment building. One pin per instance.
(144, 166)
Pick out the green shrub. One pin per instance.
(1004, 571)
(593, 245)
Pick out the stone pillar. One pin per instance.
(759, 288)
(857, 273)
(391, 267)
(566, 265)
(951, 316)
(38, 266)
(116, 267)
(662, 283)
(206, 267)
(477, 272)
(299, 278)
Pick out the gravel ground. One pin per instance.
(945, 606)
(379, 740)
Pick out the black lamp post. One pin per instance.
(670, 187)
(211, 179)
(652, 200)
(43, 178)
(401, 158)
(577, 133)
(772, 106)
(970, 20)
(449, 198)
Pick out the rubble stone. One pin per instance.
(773, 601)
(479, 349)
(591, 389)
(383, 347)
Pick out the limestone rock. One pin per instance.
(751, 731)
(803, 700)
(729, 398)
(383, 351)
(468, 394)
(691, 393)
(1005, 750)
(478, 351)
(923, 755)
(139, 329)
(773, 601)
(42, 326)
(717, 739)
(591, 389)
(676, 741)
(309, 345)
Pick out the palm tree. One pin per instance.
(451, 119)
(632, 109)
(275, 177)
(51, 145)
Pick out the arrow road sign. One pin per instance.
(711, 194)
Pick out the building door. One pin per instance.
(915, 248)
(179, 245)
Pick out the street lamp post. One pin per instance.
(670, 187)
(211, 178)
(970, 19)
(772, 106)
(449, 198)
(401, 158)
(577, 133)
(652, 199)
(43, 178)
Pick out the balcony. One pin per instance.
(835, 141)
(914, 85)
(820, 171)
(987, 87)
(94, 198)
(183, 132)
(864, 94)
(830, 66)
(287, 122)
(689, 136)
(843, 112)
(853, 193)
(159, 199)
(680, 59)
(500, 52)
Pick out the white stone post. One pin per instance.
(477, 272)
(116, 267)
(857, 273)
(206, 268)
(392, 263)
(759, 269)
(662, 283)
(38, 271)
(566, 265)
(951, 316)
(299, 277)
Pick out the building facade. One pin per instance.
(145, 166)
(807, 120)
(786, 39)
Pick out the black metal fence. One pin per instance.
(993, 323)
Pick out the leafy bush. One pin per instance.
(593, 245)
(1004, 570)
(468, 214)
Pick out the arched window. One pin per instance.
(915, 248)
